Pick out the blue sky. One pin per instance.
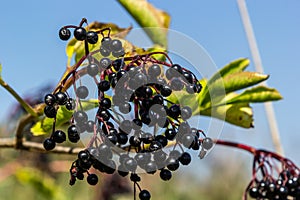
(32, 54)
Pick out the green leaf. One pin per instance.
(256, 95)
(231, 83)
(147, 16)
(44, 126)
(239, 114)
(237, 65)
(44, 185)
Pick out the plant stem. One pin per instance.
(25, 105)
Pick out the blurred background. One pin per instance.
(33, 58)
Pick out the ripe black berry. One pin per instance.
(105, 42)
(104, 85)
(105, 63)
(186, 112)
(49, 144)
(144, 195)
(64, 33)
(154, 70)
(49, 99)
(176, 84)
(70, 105)
(165, 174)
(185, 158)
(80, 117)
(104, 52)
(61, 98)
(115, 45)
(82, 92)
(174, 111)
(207, 143)
(73, 134)
(254, 192)
(105, 103)
(172, 164)
(170, 134)
(92, 37)
(165, 91)
(59, 136)
(130, 164)
(80, 33)
(92, 179)
(50, 111)
(92, 69)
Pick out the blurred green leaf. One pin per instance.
(44, 185)
(148, 16)
(44, 126)
(256, 95)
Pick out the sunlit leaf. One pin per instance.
(256, 95)
(237, 65)
(239, 114)
(146, 16)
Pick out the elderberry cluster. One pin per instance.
(271, 182)
(135, 121)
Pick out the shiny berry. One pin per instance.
(207, 143)
(92, 69)
(92, 37)
(82, 92)
(80, 33)
(105, 103)
(92, 179)
(185, 158)
(154, 70)
(104, 85)
(61, 98)
(59, 136)
(49, 99)
(186, 112)
(165, 174)
(144, 195)
(49, 144)
(115, 45)
(50, 111)
(64, 33)
(105, 42)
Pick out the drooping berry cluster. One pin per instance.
(136, 117)
(271, 181)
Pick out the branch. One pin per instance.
(37, 147)
(23, 103)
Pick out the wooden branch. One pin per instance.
(37, 147)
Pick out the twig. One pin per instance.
(38, 147)
(25, 105)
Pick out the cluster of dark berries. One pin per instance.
(53, 101)
(271, 182)
(136, 127)
(108, 45)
